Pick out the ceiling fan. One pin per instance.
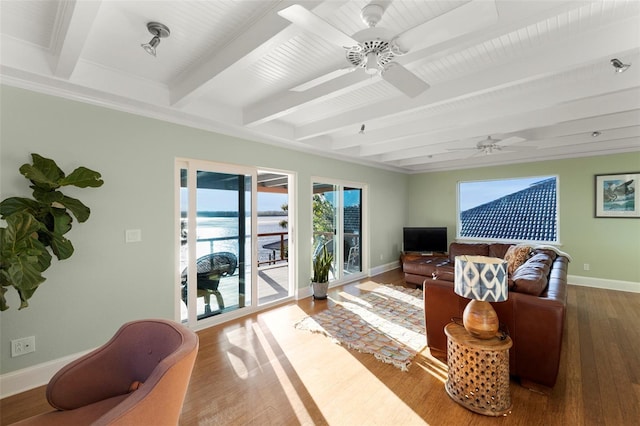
(375, 48)
(491, 145)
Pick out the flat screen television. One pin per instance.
(425, 240)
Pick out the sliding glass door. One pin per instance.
(338, 226)
(216, 255)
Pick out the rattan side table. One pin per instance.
(478, 377)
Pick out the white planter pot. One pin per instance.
(320, 290)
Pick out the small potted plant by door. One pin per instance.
(321, 267)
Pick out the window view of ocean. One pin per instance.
(210, 228)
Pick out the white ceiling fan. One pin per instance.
(375, 48)
(491, 145)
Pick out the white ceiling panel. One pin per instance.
(533, 73)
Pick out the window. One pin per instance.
(519, 209)
(338, 226)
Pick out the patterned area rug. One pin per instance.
(387, 322)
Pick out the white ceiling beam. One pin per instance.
(543, 61)
(251, 44)
(434, 164)
(627, 137)
(619, 103)
(74, 21)
(610, 92)
(591, 107)
(512, 15)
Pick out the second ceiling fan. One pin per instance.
(375, 48)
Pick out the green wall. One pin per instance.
(611, 246)
(107, 282)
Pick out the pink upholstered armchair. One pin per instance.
(139, 377)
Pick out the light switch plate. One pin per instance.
(133, 235)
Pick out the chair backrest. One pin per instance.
(221, 263)
(159, 354)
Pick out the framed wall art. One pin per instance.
(617, 195)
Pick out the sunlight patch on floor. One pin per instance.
(294, 399)
(321, 368)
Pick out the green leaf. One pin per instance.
(79, 210)
(13, 205)
(21, 227)
(62, 247)
(82, 178)
(61, 221)
(46, 196)
(3, 301)
(23, 257)
(26, 272)
(44, 172)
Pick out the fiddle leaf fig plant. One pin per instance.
(35, 226)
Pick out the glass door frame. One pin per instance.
(192, 166)
(341, 277)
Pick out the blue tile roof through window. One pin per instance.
(352, 219)
(529, 214)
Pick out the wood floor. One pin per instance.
(260, 370)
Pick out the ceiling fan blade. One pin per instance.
(404, 80)
(322, 79)
(309, 21)
(512, 139)
(470, 17)
(517, 148)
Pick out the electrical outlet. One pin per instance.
(23, 346)
(381, 256)
(586, 266)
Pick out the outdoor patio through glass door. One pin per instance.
(216, 240)
(337, 226)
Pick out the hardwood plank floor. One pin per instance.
(261, 370)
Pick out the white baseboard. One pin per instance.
(32, 377)
(308, 292)
(384, 268)
(630, 286)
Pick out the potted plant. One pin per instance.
(36, 227)
(322, 264)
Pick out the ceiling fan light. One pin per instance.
(371, 66)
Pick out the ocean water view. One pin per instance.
(212, 229)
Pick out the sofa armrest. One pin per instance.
(441, 304)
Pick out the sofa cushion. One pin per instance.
(499, 249)
(532, 276)
(516, 256)
(459, 249)
(552, 254)
(425, 266)
(445, 272)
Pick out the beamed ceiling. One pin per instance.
(534, 76)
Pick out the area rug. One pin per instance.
(387, 322)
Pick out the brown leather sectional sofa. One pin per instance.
(533, 315)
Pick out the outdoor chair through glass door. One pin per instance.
(216, 241)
